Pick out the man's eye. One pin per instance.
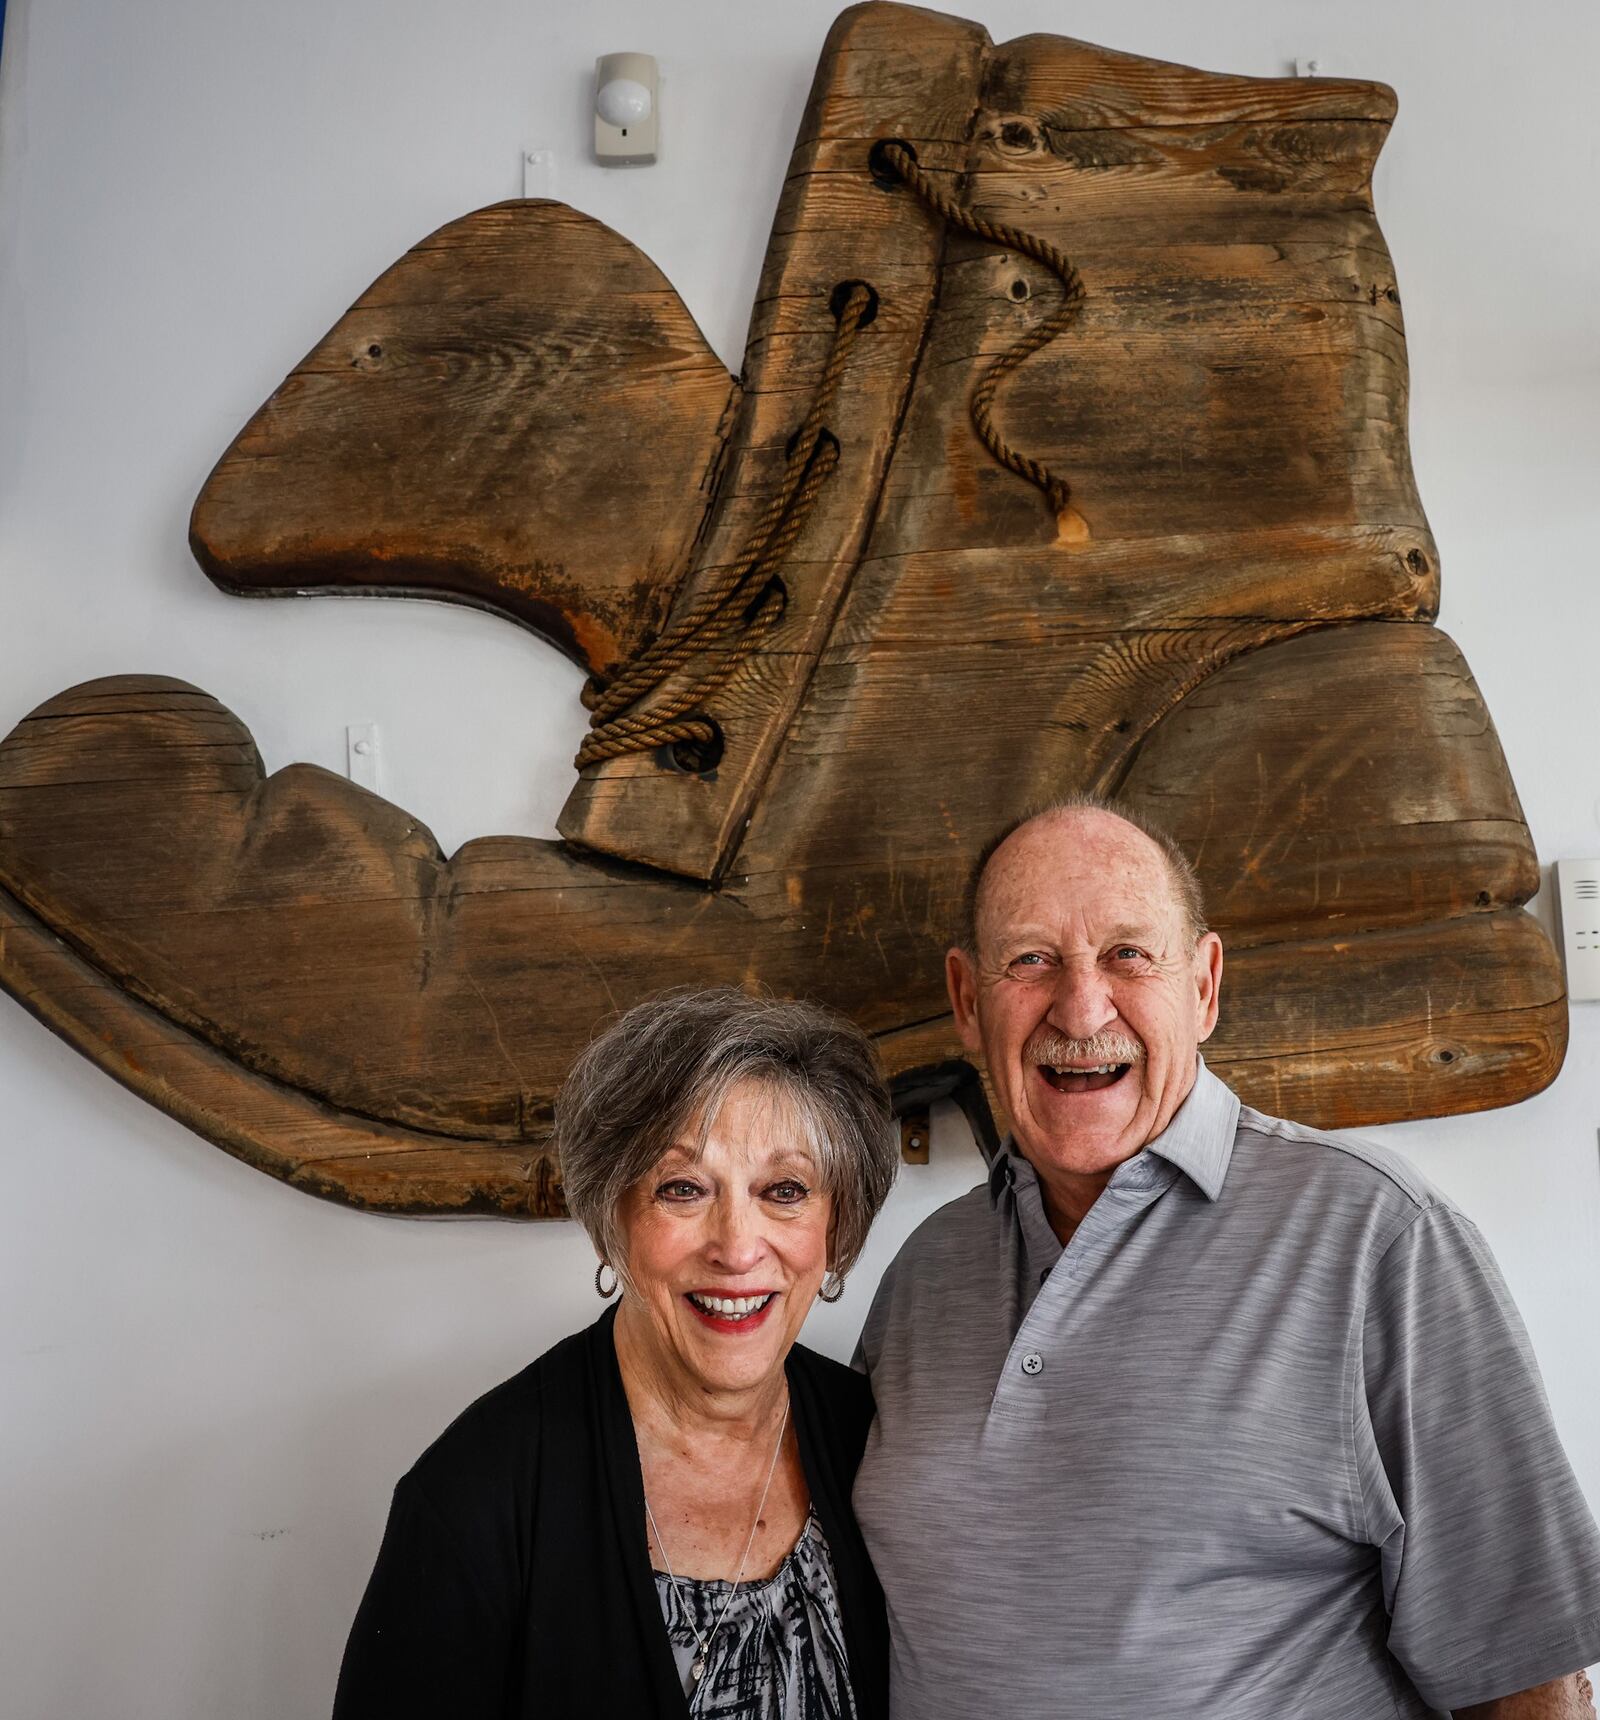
(1031, 959)
(788, 1193)
(1127, 953)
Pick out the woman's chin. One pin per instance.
(733, 1355)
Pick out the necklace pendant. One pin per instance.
(697, 1668)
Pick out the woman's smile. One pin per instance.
(732, 1314)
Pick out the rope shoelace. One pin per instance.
(901, 160)
(743, 601)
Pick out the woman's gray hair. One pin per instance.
(664, 1069)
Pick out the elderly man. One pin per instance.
(1187, 1410)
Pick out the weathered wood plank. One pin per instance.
(1083, 86)
(483, 425)
(1306, 779)
(364, 969)
(880, 73)
(1441, 1018)
(280, 1130)
(1231, 624)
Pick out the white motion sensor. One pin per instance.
(625, 110)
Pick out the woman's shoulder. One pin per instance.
(498, 1436)
(840, 1397)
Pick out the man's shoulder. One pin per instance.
(947, 1254)
(967, 1221)
(1347, 1163)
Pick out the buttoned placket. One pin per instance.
(1022, 1391)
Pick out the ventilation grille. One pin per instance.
(1579, 890)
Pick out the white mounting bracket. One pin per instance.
(361, 755)
(539, 173)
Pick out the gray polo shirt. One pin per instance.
(1265, 1439)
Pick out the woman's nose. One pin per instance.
(735, 1241)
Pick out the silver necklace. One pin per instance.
(697, 1667)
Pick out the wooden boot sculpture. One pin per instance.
(1069, 453)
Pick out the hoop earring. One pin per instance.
(599, 1289)
(833, 1295)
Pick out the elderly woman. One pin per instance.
(654, 1518)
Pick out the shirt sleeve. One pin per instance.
(429, 1641)
(1490, 1556)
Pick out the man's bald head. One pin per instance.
(1185, 882)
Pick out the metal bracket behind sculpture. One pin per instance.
(1235, 633)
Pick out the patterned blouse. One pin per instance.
(779, 1653)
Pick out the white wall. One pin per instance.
(207, 1382)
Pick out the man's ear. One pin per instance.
(1208, 981)
(961, 978)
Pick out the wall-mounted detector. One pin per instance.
(1578, 887)
(625, 110)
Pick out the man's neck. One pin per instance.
(1068, 1195)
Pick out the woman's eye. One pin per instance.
(680, 1188)
(787, 1193)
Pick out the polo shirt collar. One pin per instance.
(1198, 1140)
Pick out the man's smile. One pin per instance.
(1087, 1079)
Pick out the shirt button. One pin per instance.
(1033, 1363)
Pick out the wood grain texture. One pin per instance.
(396, 989)
(280, 1130)
(884, 72)
(1355, 756)
(1233, 628)
(491, 425)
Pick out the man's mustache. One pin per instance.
(1046, 1046)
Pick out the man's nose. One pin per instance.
(1082, 1004)
(735, 1243)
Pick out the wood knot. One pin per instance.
(1018, 137)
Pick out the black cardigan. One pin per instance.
(514, 1580)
